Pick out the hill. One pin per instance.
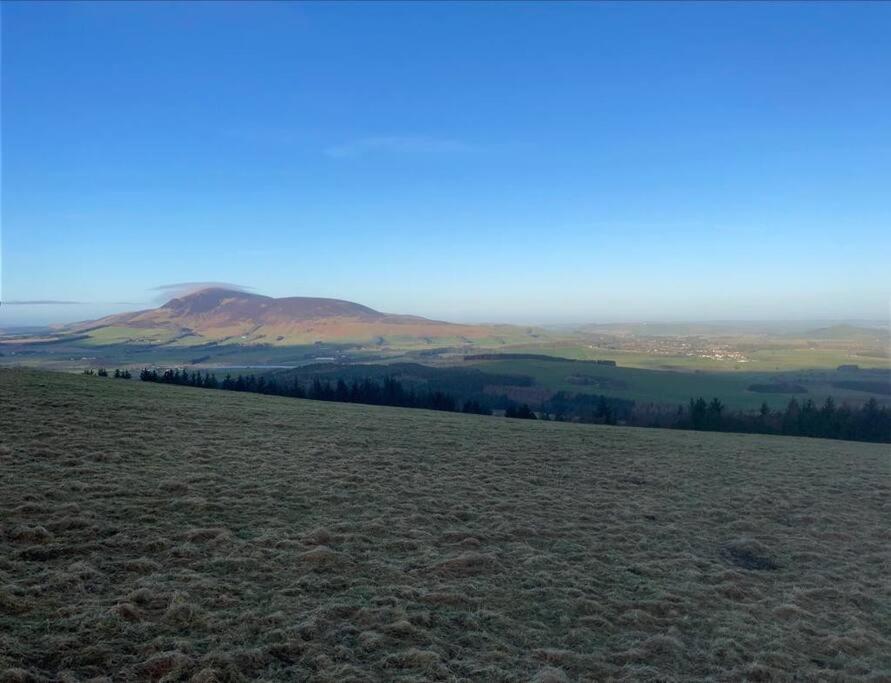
(151, 531)
(222, 315)
(850, 332)
(745, 329)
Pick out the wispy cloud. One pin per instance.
(399, 144)
(41, 302)
(178, 289)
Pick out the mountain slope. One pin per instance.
(219, 315)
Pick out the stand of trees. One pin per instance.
(869, 422)
(593, 408)
(102, 372)
(388, 392)
(522, 412)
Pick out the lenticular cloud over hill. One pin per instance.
(180, 289)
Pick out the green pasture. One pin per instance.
(673, 387)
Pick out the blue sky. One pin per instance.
(512, 162)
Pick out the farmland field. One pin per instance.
(673, 388)
(154, 532)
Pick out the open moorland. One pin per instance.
(152, 532)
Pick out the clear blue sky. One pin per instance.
(514, 162)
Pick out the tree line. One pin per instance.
(869, 422)
(102, 372)
(591, 408)
(388, 392)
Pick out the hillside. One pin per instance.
(221, 315)
(151, 531)
(851, 332)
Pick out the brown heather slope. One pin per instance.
(152, 532)
(217, 314)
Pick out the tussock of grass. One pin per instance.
(320, 536)
(30, 534)
(165, 665)
(204, 535)
(127, 611)
(161, 533)
(13, 603)
(465, 564)
(550, 675)
(17, 675)
(322, 557)
(750, 554)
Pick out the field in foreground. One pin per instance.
(154, 532)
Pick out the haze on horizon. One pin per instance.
(529, 163)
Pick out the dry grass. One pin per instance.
(150, 532)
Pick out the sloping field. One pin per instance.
(153, 532)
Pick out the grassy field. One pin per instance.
(673, 388)
(152, 532)
(767, 355)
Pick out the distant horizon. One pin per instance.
(47, 313)
(532, 163)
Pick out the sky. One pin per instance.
(512, 162)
